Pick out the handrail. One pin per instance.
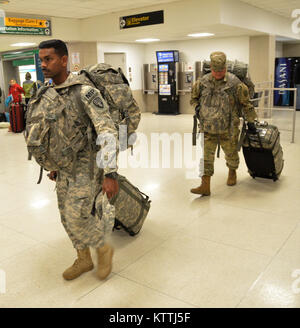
(279, 108)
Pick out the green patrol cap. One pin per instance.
(218, 61)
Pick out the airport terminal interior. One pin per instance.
(238, 247)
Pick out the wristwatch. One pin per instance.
(112, 175)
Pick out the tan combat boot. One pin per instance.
(231, 181)
(204, 189)
(105, 255)
(82, 264)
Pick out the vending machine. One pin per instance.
(168, 100)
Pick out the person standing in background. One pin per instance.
(29, 86)
(30, 89)
(16, 91)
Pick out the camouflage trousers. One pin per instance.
(229, 146)
(76, 201)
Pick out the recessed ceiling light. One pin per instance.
(199, 35)
(23, 44)
(147, 40)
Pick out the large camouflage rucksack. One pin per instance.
(215, 115)
(240, 70)
(115, 89)
(206, 67)
(237, 68)
(53, 138)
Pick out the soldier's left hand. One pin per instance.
(110, 187)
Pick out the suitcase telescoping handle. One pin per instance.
(263, 124)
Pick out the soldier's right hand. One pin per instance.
(251, 128)
(52, 175)
(110, 187)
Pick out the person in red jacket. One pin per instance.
(16, 91)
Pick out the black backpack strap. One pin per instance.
(195, 122)
(123, 76)
(218, 150)
(41, 175)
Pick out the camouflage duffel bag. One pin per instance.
(131, 207)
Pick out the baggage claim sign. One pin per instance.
(29, 26)
(151, 18)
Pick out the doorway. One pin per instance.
(24, 69)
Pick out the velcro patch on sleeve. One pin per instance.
(90, 94)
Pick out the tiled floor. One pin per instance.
(238, 248)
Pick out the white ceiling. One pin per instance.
(279, 7)
(220, 31)
(87, 8)
(76, 8)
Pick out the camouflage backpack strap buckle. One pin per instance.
(41, 91)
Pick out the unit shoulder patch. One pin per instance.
(98, 102)
(245, 92)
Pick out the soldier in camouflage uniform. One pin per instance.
(219, 99)
(76, 194)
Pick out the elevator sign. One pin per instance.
(29, 26)
(151, 18)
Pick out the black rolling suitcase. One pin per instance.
(263, 152)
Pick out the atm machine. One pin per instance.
(168, 100)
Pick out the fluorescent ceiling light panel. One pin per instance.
(147, 40)
(23, 44)
(200, 35)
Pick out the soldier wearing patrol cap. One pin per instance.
(220, 99)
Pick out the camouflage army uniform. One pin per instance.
(76, 194)
(239, 99)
